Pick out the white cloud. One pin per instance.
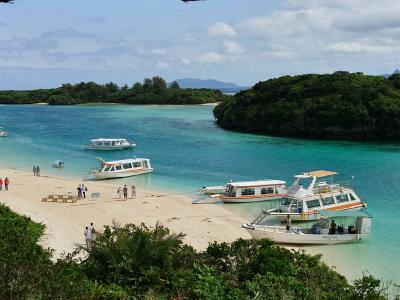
(185, 61)
(210, 57)
(159, 51)
(232, 47)
(162, 65)
(356, 48)
(221, 29)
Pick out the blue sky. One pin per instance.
(48, 42)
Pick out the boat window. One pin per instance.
(137, 164)
(107, 168)
(341, 198)
(248, 192)
(112, 169)
(328, 201)
(118, 168)
(113, 143)
(352, 198)
(145, 164)
(127, 166)
(267, 190)
(313, 203)
(106, 143)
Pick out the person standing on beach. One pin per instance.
(133, 190)
(119, 192)
(6, 183)
(88, 238)
(79, 188)
(1, 184)
(92, 229)
(84, 190)
(34, 171)
(125, 189)
(37, 171)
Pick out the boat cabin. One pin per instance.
(254, 191)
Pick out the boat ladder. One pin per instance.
(260, 217)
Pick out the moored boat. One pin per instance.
(353, 226)
(253, 191)
(3, 133)
(109, 144)
(122, 168)
(305, 203)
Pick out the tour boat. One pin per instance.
(109, 144)
(3, 133)
(253, 191)
(305, 203)
(122, 168)
(352, 226)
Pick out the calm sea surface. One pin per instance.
(188, 150)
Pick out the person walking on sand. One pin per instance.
(125, 189)
(37, 171)
(133, 190)
(92, 229)
(34, 171)
(1, 184)
(119, 192)
(84, 190)
(6, 183)
(88, 238)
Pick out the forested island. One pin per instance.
(152, 91)
(342, 105)
(137, 262)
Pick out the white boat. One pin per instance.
(213, 190)
(305, 203)
(253, 191)
(321, 232)
(3, 133)
(122, 168)
(58, 164)
(109, 144)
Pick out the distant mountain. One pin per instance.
(397, 71)
(196, 83)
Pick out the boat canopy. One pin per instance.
(344, 213)
(265, 182)
(106, 140)
(120, 162)
(320, 173)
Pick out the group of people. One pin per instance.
(82, 189)
(124, 192)
(89, 233)
(6, 182)
(36, 171)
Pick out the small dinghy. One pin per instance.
(58, 164)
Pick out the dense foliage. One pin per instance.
(153, 91)
(341, 105)
(137, 262)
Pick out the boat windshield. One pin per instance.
(291, 205)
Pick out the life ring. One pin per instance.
(325, 189)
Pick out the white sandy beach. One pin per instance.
(65, 222)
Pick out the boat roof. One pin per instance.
(319, 173)
(122, 161)
(344, 213)
(106, 140)
(257, 183)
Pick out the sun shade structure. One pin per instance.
(321, 173)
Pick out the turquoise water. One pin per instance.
(188, 150)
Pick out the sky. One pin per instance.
(44, 43)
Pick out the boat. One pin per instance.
(58, 164)
(213, 190)
(305, 203)
(353, 226)
(109, 144)
(3, 133)
(253, 191)
(122, 168)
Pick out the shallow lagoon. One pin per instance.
(188, 150)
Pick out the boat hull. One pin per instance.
(295, 238)
(111, 175)
(248, 199)
(110, 148)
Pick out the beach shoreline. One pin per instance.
(65, 222)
